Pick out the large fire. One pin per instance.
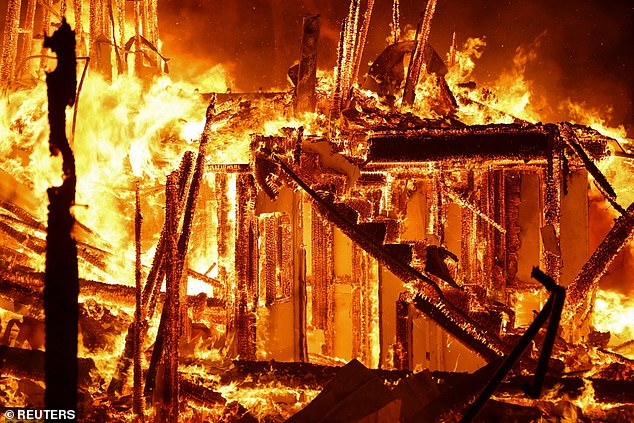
(307, 241)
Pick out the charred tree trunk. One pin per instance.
(61, 286)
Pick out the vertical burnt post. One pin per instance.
(305, 91)
(418, 55)
(246, 259)
(138, 326)
(172, 305)
(10, 41)
(402, 353)
(61, 285)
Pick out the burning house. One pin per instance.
(383, 248)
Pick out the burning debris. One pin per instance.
(254, 255)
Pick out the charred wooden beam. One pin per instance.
(151, 291)
(139, 321)
(157, 271)
(305, 98)
(396, 21)
(26, 43)
(246, 265)
(171, 309)
(177, 262)
(601, 182)
(416, 62)
(476, 143)
(551, 256)
(335, 106)
(363, 35)
(551, 312)
(61, 286)
(402, 356)
(201, 395)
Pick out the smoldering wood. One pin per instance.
(157, 271)
(494, 142)
(151, 290)
(26, 43)
(139, 322)
(363, 35)
(180, 255)
(246, 265)
(29, 364)
(24, 287)
(171, 308)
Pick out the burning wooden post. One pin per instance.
(551, 312)
(61, 288)
(79, 26)
(121, 19)
(246, 264)
(138, 58)
(396, 22)
(365, 26)
(551, 255)
(26, 42)
(402, 354)
(165, 331)
(452, 51)
(46, 25)
(171, 309)
(418, 55)
(149, 25)
(10, 42)
(138, 326)
(153, 284)
(306, 79)
(335, 107)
